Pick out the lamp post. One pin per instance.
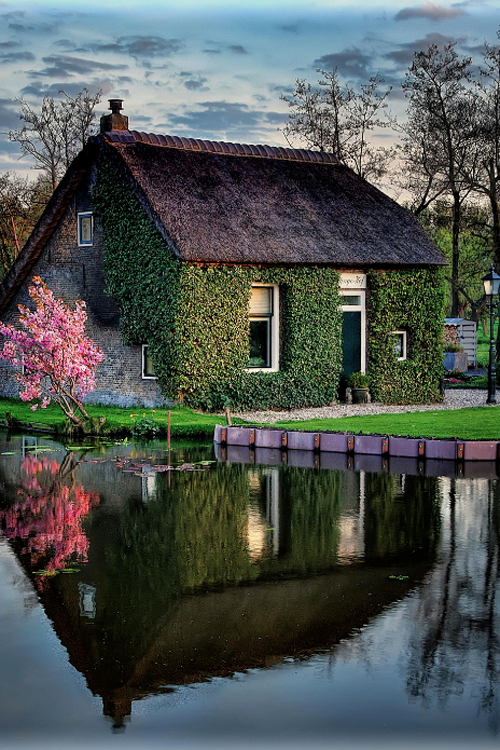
(491, 283)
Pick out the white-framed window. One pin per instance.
(264, 328)
(147, 368)
(399, 339)
(85, 228)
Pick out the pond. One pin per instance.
(192, 599)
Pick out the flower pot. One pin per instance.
(456, 361)
(360, 395)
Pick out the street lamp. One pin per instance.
(491, 283)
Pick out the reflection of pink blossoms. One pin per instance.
(58, 359)
(48, 515)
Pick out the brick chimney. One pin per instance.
(114, 121)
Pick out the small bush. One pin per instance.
(358, 380)
(145, 427)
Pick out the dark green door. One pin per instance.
(351, 337)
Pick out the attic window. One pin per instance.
(85, 228)
(264, 321)
(148, 370)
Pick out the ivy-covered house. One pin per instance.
(220, 273)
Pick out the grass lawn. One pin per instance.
(483, 344)
(185, 422)
(479, 423)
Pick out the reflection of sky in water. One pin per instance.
(421, 670)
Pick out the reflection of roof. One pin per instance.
(217, 633)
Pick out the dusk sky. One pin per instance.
(216, 69)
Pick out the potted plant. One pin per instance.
(455, 358)
(359, 382)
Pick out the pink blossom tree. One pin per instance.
(56, 360)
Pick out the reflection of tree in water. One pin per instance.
(402, 515)
(456, 637)
(47, 514)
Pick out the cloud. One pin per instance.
(193, 82)
(291, 28)
(281, 89)
(142, 46)
(39, 89)
(14, 57)
(220, 119)
(14, 15)
(216, 48)
(404, 55)
(65, 66)
(429, 11)
(350, 63)
(196, 85)
(9, 114)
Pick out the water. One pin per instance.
(232, 603)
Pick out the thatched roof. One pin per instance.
(245, 204)
(232, 203)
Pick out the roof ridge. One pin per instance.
(221, 147)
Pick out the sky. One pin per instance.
(212, 69)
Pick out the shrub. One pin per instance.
(145, 427)
(358, 380)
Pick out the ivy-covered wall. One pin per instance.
(412, 301)
(214, 337)
(195, 318)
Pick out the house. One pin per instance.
(220, 273)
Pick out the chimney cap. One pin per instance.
(115, 105)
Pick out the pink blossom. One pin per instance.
(59, 358)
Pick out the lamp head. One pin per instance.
(491, 283)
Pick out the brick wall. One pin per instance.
(74, 272)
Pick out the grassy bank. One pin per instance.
(479, 423)
(184, 422)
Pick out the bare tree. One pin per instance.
(336, 118)
(486, 179)
(21, 203)
(440, 139)
(54, 135)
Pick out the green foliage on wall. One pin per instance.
(214, 338)
(411, 301)
(195, 318)
(141, 272)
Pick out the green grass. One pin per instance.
(479, 423)
(483, 345)
(185, 422)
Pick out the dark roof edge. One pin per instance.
(355, 266)
(44, 227)
(130, 137)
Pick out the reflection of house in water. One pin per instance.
(351, 523)
(264, 531)
(197, 574)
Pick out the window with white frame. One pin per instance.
(148, 370)
(399, 339)
(264, 327)
(85, 228)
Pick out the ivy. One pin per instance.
(414, 301)
(195, 318)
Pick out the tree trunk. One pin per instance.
(455, 256)
(495, 212)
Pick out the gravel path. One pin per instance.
(454, 399)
